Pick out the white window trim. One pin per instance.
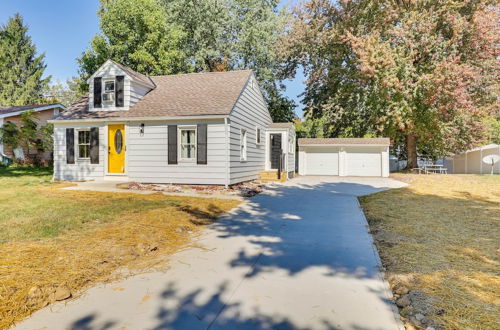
(258, 135)
(179, 143)
(77, 143)
(243, 145)
(103, 89)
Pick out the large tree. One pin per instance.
(176, 36)
(21, 70)
(422, 72)
(135, 33)
(236, 34)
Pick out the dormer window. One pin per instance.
(109, 92)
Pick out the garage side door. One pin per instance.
(363, 162)
(322, 161)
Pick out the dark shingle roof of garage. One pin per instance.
(192, 94)
(344, 141)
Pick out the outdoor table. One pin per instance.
(435, 169)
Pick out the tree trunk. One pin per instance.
(411, 151)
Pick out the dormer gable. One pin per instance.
(114, 87)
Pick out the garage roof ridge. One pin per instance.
(343, 141)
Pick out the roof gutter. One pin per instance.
(345, 145)
(35, 109)
(122, 119)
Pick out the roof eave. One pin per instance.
(345, 145)
(125, 119)
(37, 109)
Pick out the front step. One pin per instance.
(272, 176)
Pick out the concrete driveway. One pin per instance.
(297, 257)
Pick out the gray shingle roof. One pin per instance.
(343, 141)
(136, 75)
(281, 125)
(192, 94)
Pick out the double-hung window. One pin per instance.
(109, 91)
(83, 144)
(243, 145)
(188, 143)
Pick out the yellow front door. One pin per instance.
(116, 148)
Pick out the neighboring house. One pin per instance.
(13, 114)
(344, 156)
(199, 128)
(471, 161)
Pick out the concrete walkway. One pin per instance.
(297, 257)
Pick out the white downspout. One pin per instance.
(226, 133)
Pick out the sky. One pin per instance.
(62, 29)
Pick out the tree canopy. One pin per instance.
(66, 94)
(135, 33)
(21, 70)
(175, 36)
(424, 73)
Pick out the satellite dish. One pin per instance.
(491, 160)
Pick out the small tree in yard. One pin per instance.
(422, 72)
(30, 136)
(10, 134)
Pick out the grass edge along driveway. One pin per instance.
(438, 238)
(54, 240)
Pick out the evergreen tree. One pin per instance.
(21, 71)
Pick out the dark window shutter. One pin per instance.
(94, 145)
(172, 144)
(97, 92)
(70, 145)
(119, 91)
(201, 147)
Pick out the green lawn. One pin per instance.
(51, 237)
(33, 207)
(441, 236)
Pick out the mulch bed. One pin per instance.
(245, 189)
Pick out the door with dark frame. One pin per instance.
(275, 150)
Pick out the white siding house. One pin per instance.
(205, 128)
(249, 118)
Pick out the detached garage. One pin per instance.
(344, 156)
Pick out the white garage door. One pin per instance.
(363, 162)
(322, 161)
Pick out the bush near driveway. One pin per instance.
(56, 242)
(439, 238)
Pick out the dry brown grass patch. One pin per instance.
(442, 233)
(136, 237)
